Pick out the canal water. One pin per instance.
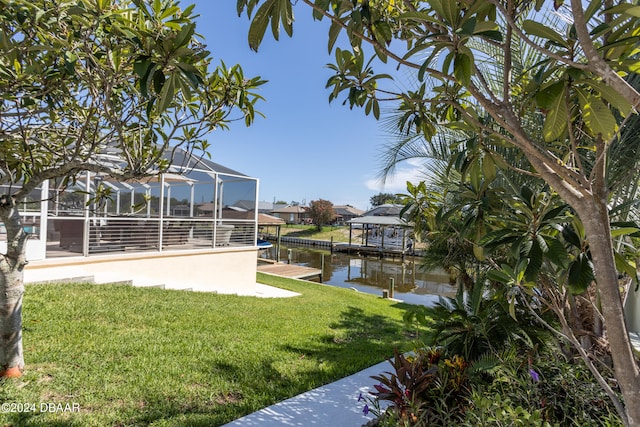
(371, 274)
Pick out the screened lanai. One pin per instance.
(193, 205)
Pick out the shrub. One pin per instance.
(495, 410)
(423, 388)
(479, 322)
(561, 392)
(434, 388)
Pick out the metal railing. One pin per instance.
(97, 235)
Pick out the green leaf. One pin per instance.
(334, 31)
(498, 276)
(597, 115)
(446, 64)
(627, 10)
(463, 68)
(627, 267)
(537, 29)
(168, 12)
(497, 237)
(167, 93)
(184, 36)
(554, 214)
(474, 174)
(526, 193)
(489, 168)
(535, 256)
(547, 95)
(512, 308)
(286, 17)
(580, 274)
(488, 29)
(624, 231)
(555, 123)
(382, 32)
(444, 8)
(158, 80)
(571, 236)
(556, 252)
(592, 8)
(259, 24)
(468, 28)
(478, 252)
(322, 5)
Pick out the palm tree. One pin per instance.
(488, 169)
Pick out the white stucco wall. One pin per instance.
(228, 270)
(36, 249)
(631, 308)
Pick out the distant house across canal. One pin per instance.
(346, 213)
(292, 214)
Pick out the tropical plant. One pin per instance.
(545, 389)
(480, 322)
(498, 411)
(440, 226)
(104, 86)
(573, 95)
(422, 383)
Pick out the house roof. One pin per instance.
(347, 211)
(387, 209)
(250, 205)
(185, 162)
(206, 207)
(291, 209)
(381, 220)
(185, 168)
(264, 219)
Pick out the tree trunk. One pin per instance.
(595, 218)
(11, 290)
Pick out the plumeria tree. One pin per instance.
(81, 79)
(575, 96)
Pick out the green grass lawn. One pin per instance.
(339, 234)
(131, 356)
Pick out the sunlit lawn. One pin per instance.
(134, 356)
(338, 233)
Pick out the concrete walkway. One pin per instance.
(332, 405)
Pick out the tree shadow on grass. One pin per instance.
(357, 341)
(31, 419)
(354, 342)
(216, 410)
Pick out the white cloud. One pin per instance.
(412, 170)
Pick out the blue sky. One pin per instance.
(305, 149)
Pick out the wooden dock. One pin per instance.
(291, 270)
(374, 251)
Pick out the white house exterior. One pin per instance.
(137, 234)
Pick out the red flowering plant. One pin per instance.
(420, 383)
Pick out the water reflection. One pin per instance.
(371, 275)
